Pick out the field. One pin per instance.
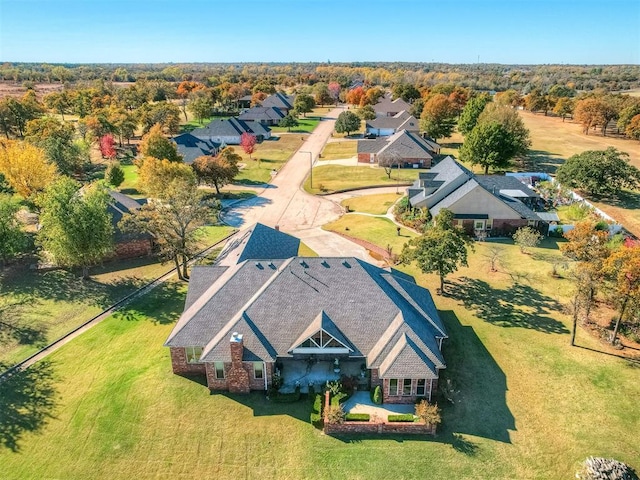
(332, 178)
(528, 405)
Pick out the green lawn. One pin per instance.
(193, 123)
(53, 303)
(377, 230)
(377, 204)
(331, 178)
(306, 125)
(529, 406)
(340, 150)
(130, 184)
(269, 155)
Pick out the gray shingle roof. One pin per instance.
(120, 205)
(405, 143)
(386, 105)
(192, 147)
(258, 242)
(230, 127)
(406, 356)
(279, 100)
(262, 114)
(396, 122)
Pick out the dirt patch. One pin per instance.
(16, 90)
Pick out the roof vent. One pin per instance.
(346, 264)
(272, 265)
(325, 264)
(304, 264)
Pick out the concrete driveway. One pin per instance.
(286, 204)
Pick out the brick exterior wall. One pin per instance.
(364, 158)
(386, 398)
(181, 366)
(508, 227)
(375, 379)
(223, 383)
(133, 248)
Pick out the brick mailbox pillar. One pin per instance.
(237, 375)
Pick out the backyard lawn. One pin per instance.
(53, 303)
(340, 150)
(377, 204)
(528, 405)
(332, 178)
(305, 125)
(269, 155)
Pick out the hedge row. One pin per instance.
(357, 417)
(404, 417)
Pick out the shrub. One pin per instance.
(595, 468)
(334, 386)
(526, 237)
(428, 413)
(376, 396)
(316, 414)
(403, 417)
(602, 226)
(335, 414)
(349, 384)
(114, 175)
(357, 417)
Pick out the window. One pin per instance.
(532, 223)
(421, 388)
(193, 354)
(393, 386)
(489, 224)
(406, 386)
(258, 371)
(478, 225)
(219, 367)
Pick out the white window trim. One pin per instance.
(191, 352)
(254, 370)
(418, 386)
(411, 388)
(215, 371)
(397, 387)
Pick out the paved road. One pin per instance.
(286, 204)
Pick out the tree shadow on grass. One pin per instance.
(162, 306)
(625, 199)
(542, 161)
(27, 401)
(479, 408)
(516, 306)
(14, 326)
(261, 406)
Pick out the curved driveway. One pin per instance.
(286, 204)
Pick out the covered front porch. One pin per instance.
(317, 371)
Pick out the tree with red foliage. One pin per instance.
(107, 146)
(248, 143)
(334, 91)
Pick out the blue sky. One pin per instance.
(514, 31)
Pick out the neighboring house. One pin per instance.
(263, 115)
(192, 147)
(245, 102)
(480, 203)
(228, 131)
(385, 126)
(262, 311)
(390, 108)
(280, 101)
(414, 150)
(127, 245)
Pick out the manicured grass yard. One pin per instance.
(130, 184)
(331, 178)
(273, 154)
(306, 125)
(529, 405)
(340, 150)
(53, 303)
(377, 230)
(375, 204)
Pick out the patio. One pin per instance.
(360, 402)
(317, 373)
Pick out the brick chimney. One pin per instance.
(237, 376)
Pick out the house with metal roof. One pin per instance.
(261, 313)
(480, 203)
(407, 146)
(386, 126)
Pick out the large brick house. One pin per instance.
(480, 203)
(261, 308)
(410, 148)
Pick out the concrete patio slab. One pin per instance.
(360, 402)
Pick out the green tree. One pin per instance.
(174, 222)
(56, 139)
(627, 114)
(155, 144)
(471, 112)
(536, 101)
(13, 241)
(603, 173)
(526, 237)
(488, 145)
(200, 105)
(366, 113)
(289, 121)
(321, 94)
(304, 103)
(440, 249)
(165, 113)
(154, 175)
(114, 175)
(438, 117)
(59, 102)
(347, 122)
(219, 170)
(76, 226)
(564, 107)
